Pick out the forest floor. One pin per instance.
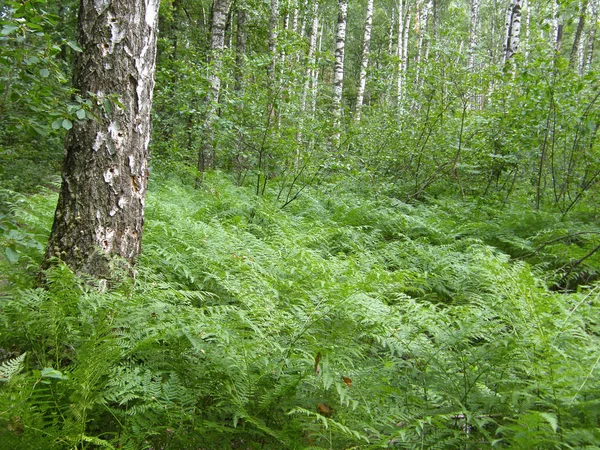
(340, 321)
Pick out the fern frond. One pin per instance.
(11, 367)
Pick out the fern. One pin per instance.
(11, 367)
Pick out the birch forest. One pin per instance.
(299, 224)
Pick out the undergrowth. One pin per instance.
(338, 322)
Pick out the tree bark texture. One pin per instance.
(338, 71)
(513, 29)
(100, 211)
(362, 81)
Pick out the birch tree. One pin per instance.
(364, 61)
(473, 33)
(512, 39)
(589, 57)
(576, 58)
(338, 72)
(273, 35)
(400, 54)
(219, 23)
(100, 211)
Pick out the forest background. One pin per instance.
(369, 225)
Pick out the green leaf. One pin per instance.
(12, 255)
(67, 124)
(57, 124)
(44, 73)
(49, 372)
(80, 114)
(8, 29)
(551, 419)
(74, 46)
(108, 106)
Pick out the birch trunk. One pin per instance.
(589, 57)
(391, 33)
(527, 8)
(273, 35)
(473, 33)
(100, 211)
(513, 30)
(206, 157)
(315, 75)
(365, 60)
(423, 43)
(309, 68)
(400, 55)
(576, 58)
(311, 53)
(338, 72)
(240, 46)
(555, 26)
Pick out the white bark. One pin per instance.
(100, 210)
(513, 29)
(473, 33)
(589, 57)
(400, 54)
(391, 32)
(311, 59)
(219, 23)
(338, 72)
(315, 74)
(527, 8)
(423, 21)
(365, 60)
(273, 34)
(576, 59)
(555, 27)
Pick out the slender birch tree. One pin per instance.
(473, 33)
(589, 57)
(100, 211)
(364, 61)
(576, 58)
(512, 40)
(338, 71)
(400, 55)
(206, 157)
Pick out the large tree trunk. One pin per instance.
(100, 211)
(338, 71)
(365, 60)
(206, 157)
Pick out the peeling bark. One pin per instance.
(100, 211)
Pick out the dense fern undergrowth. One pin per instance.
(337, 322)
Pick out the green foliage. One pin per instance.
(35, 44)
(338, 322)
